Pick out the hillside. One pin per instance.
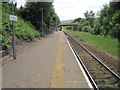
(24, 30)
(28, 25)
(67, 21)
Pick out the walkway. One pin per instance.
(49, 64)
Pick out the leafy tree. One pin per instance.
(115, 23)
(75, 28)
(116, 17)
(106, 23)
(23, 30)
(33, 13)
(77, 20)
(89, 16)
(96, 29)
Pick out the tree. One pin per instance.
(109, 17)
(116, 17)
(33, 13)
(89, 16)
(77, 20)
(96, 29)
(115, 23)
(106, 23)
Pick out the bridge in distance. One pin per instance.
(66, 25)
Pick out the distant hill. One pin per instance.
(67, 21)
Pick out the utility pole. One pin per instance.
(13, 37)
(55, 25)
(42, 22)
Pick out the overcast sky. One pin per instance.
(71, 9)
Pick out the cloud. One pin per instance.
(20, 2)
(71, 9)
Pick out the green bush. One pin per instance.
(105, 43)
(23, 30)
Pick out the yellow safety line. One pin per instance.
(58, 74)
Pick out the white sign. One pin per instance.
(13, 18)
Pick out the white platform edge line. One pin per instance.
(89, 83)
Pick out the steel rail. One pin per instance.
(84, 67)
(86, 70)
(111, 71)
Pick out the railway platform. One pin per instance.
(50, 63)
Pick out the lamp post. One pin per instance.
(42, 21)
(13, 36)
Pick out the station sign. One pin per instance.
(13, 18)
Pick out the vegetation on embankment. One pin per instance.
(101, 29)
(23, 30)
(107, 44)
(29, 23)
(106, 22)
(40, 14)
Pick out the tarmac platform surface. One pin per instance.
(50, 63)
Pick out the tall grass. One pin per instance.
(107, 44)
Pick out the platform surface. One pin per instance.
(48, 64)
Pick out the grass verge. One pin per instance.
(107, 44)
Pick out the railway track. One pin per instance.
(100, 75)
